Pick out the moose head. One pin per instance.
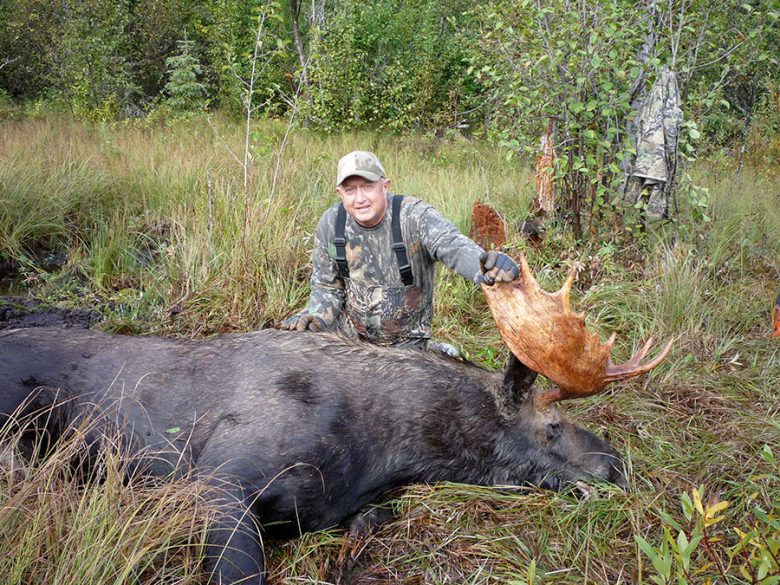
(545, 336)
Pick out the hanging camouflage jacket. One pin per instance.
(373, 303)
(658, 124)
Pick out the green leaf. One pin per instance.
(695, 540)
(763, 570)
(531, 575)
(649, 551)
(682, 542)
(687, 506)
(767, 455)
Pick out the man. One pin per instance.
(374, 256)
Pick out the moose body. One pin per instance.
(301, 429)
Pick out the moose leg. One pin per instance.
(234, 552)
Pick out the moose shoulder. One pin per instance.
(306, 428)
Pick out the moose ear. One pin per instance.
(517, 379)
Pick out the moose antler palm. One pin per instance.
(543, 332)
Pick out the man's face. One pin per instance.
(364, 200)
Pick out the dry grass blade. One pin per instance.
(69, 522)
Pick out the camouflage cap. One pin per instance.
(361, 163)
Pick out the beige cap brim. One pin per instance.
(365, 174)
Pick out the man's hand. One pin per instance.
(303, 323)
(497, 267)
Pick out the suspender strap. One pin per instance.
(340, 242)
(398, 243)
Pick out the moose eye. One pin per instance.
(553, 431)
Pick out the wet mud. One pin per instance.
(18, 312)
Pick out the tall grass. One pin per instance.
(153, 221)
(160, 210)
(63, 523)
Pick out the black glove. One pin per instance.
(303, 323)
(497, 267)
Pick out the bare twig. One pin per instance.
(211, 209)
(261, 18)
(7, 61)
(283, 145)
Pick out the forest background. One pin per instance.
(163, 164)
(493, 69)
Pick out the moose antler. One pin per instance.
(543, 332)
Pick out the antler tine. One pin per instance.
(634, 367)
(565, 291)
(525, 271)
(638, 356)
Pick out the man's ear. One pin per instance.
(386, 186)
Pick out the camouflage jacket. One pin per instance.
(373, 302)
(658, 127)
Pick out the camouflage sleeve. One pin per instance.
(445, 243)
(327, 287)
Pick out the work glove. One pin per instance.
(303, 322)
(497, 267)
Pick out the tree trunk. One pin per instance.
(748, 118)
(295, 11)
(545, 164)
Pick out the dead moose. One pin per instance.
(304, 430)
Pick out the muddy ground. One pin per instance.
(17, 312)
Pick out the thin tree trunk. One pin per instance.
(295, 11)
(746, 127)
(248, 104)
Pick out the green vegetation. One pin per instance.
(183, 89)
(493, 67)
(501, 70)
(151, 217)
